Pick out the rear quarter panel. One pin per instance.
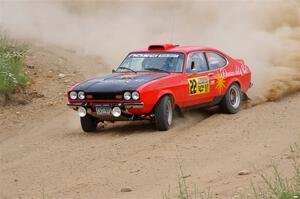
(237, 72)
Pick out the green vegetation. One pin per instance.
(184, 192)
(278, 187)
(11, 65)
(272, 187)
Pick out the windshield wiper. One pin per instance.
(157, 69)
(122, 67)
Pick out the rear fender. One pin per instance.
(233, 80)
(241, 61)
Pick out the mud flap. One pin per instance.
(245, 97)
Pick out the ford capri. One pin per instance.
(155, 82)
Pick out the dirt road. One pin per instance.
(44, 153)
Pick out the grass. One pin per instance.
(12, 56)
(278, 187)
(185, 192)
(272, 187)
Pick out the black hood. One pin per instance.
(116, 83)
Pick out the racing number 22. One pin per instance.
(199, 85)
(193, 86)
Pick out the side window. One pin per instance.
(215, 61)
(199, 60)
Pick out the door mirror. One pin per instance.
(194, 71)
(193, 68)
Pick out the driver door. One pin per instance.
(198, 80)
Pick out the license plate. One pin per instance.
(103, 110)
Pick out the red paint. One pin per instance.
(177, 85)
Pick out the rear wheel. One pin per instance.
(164, 113)
(89, 123)
(232, 100)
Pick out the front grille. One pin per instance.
(104, 96)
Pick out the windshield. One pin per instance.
(158, 62)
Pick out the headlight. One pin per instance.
(135, 95)
(73, 95)
(81, 95)
(127, 95)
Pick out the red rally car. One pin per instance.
(154, 82)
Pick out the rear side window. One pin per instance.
(215, 60)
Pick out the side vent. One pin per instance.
(161, 46)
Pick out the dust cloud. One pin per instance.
(266, 34)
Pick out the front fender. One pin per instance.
(164, 92)
(150, 99)
(161, 94)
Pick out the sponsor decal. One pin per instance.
(221, 77)
(199, 85)
(220, 86)
(153, 55)
(244, 69)
(239, 70)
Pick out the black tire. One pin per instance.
(164, 113)
(231, 102)
(89, 123)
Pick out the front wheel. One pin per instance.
(89, 123)
(232, 100)
(164, 113)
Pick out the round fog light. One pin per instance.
(116, 112)
(81, 111)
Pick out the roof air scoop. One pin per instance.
(161, 46)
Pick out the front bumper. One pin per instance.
(124, 106)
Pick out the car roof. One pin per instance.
(174, 48)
